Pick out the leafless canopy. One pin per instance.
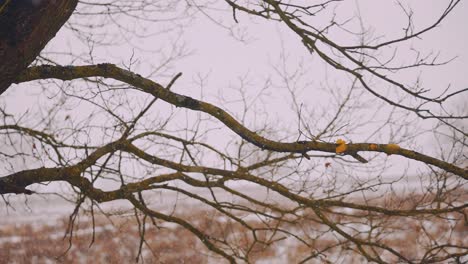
(329, 184)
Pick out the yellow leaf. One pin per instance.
(392, 148)
(340, 141)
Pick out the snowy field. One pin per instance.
(32, 230)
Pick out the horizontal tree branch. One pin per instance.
(66, 73)
(17, 182)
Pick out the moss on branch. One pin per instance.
(178, 100)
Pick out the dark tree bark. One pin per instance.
(25, 28)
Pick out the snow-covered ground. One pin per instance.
(28, 220)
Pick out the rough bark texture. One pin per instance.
(25, 28)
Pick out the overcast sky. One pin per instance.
(225, 62)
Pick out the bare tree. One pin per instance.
(310, 187)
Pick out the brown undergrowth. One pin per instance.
(117, 238)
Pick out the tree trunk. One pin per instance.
(26, 26)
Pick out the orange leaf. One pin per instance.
(341, 148)
(340, 141)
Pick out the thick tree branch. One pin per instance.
(178, 100)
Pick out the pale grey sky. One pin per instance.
(223, 60)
